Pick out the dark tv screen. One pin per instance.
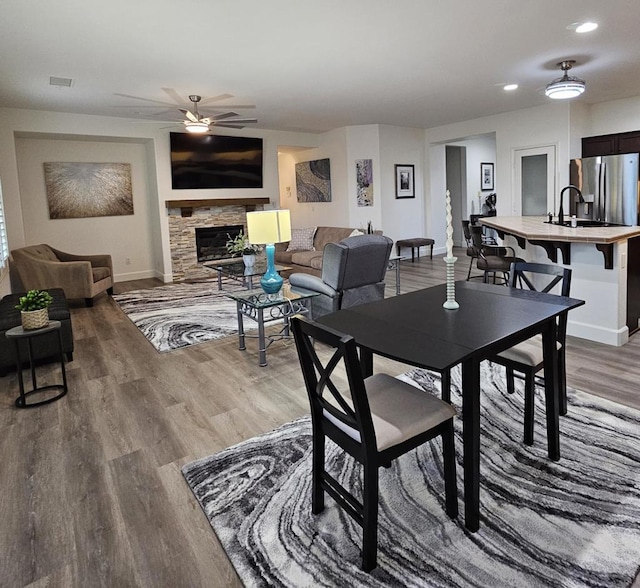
(215, 161)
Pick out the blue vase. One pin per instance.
(271, 282)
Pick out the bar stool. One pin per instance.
(17, 333)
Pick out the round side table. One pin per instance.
(18, 333)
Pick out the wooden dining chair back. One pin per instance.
(375, 420)
(526, 357)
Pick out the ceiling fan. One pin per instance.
(196, 122)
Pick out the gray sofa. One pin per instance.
(310, 261)
(353, 273)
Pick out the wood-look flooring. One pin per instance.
(91, 492)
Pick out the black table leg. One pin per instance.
(471, 442)
(366, 362)
(551, 392)
(62, 368)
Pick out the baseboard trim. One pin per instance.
(615, 337)
(140, 275)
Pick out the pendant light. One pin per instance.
(567, 86)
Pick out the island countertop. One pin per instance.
(534, 228)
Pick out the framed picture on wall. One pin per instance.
(405, 181)
(486, 176)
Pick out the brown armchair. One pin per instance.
(38, 267)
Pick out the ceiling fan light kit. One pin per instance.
(567, 86)
(196, 127)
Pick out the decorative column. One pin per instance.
(450, 303)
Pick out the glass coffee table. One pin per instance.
(265, 308)
(236, 270)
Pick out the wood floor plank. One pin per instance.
(102, 550)
(215, 569)
(162, 557)
(37, 535)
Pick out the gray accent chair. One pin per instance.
(41, 267)
(353, 273)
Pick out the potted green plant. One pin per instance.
(33, 307)
(240, 245)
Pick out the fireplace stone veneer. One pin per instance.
(182, 236)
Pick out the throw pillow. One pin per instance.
(302, 239)
(356, 233)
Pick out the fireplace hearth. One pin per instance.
(211, 241)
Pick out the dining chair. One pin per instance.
(493, 259)
(472, 251)
(375, 420)
(526, 357)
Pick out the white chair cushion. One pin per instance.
(399, 411)
(528, 352)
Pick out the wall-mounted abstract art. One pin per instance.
(80, 190)
(313, 181)
(364, 182)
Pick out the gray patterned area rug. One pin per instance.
(178, 315)
(571, 523)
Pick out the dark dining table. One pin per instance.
(415, 329)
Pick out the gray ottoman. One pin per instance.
(415, 245)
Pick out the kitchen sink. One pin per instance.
(584, 222)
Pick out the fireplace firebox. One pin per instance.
(211, 241)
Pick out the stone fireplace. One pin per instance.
(219, 216)
(211, 242)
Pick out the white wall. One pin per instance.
(363, 142)
(64, 127)
(616, 116)
(480, 149)
(333, 146)
(386, 146)
(531, 127)
(402, 218)
(556, 124)
(124, 237)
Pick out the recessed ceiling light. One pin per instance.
(511, 87)
(583, 27)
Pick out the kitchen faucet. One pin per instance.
(560, 211)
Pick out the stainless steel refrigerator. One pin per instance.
(609, 186)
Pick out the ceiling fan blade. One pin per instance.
(227, 106)
(229, 126)
(192, 117)
(216, 98)
(155, 122)
(239, 120)
(144, 99)
(223, 115)
(174, 96)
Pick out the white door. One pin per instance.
(534, 181)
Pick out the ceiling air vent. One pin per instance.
(56, 81)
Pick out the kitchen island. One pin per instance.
(606, 270)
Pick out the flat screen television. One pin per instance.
(215, 161)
